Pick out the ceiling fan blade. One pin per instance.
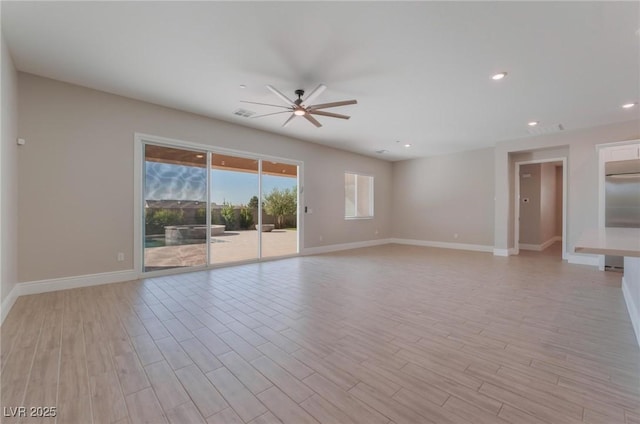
(333, 104)
(313, 120)
(269, 114)
(279, 94)
(263, 104)
(315, 93)
(333, 115)
(293, 115)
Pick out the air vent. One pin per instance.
(381, 151)
(244, 113)
(545, 129)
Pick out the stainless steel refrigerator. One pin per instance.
(622, 200)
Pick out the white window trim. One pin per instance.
(140, 139)
(371, 195)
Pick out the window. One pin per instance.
(358, 196)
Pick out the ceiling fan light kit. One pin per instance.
(302, 107)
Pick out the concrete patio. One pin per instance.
(232, 246)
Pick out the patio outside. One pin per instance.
(232, 246)
(196, 201)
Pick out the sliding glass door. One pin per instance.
(206, 208)
(279, 209)
(175, 204)
(234, 209)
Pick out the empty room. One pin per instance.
(320, 212)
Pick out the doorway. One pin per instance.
(540, 206)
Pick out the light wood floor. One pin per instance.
(387, 334)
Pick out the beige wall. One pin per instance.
(547, 202)
(76, 177)
(437, 197)
(559, 191)
(79, 156)
(8, 175)
(582, 193)
(530, 210)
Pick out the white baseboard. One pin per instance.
(505, 252)
(8, 302)
(634, 312)
(581, 259)
(539, 247)
(369, 243)
(55, 284)
(527, 246)
(443, 244)
(344, 246)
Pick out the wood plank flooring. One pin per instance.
(390, 334)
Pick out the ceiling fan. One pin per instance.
(302, 107)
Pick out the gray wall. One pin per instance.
(439, 196)
(580, 145)
(559, 191)
(530, 211)
(547, 202)
(79, 157)
(436, 197)
(8, 175)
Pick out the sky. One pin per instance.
(178, 182)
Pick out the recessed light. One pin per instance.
(533, 123)
(629, 105)
(199, 156)
(243, 86)
(407, 145)
(499, 76)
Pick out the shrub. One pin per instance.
(157, 219)
(201, 216)
(253, 203)
(280, 204)
(246, 217)
(228, 214)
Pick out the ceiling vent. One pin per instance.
(381, 151)
(545, 129)
(244, 113)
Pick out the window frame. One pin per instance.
(371, 196)
(140, 140)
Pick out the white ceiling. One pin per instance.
(420, 70)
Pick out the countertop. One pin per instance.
(610, 241)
